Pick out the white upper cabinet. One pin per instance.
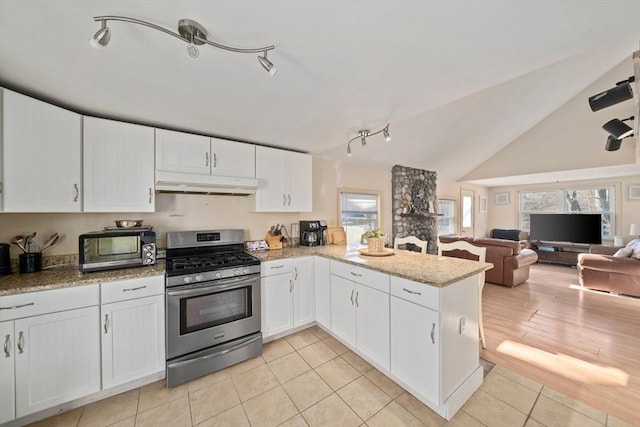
(284, 181)
(180, 152)
(41, 156)
(118, 166)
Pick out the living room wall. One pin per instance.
(626, 211)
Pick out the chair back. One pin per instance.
(463, 245)
(422, 244)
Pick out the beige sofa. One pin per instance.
(510, 261)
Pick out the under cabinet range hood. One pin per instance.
(170, 182)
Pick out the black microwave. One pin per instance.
(107, 250)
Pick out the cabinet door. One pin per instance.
(372, 320)
(415, 347)
(303, 291)
(132, 340)
(7, 372)
(230, 158)
(299, 181)
(323, 291)
(58, 358)
(118, 166)
(271, 172)
(182, 152)
(277, 304)
(41, 155)
(343, 315)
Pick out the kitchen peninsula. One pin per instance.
(412, 316)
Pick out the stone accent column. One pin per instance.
(415, 205)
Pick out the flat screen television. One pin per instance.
(574, 228)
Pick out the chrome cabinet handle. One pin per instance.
(357, 293)
(289, 204)
(355, 274)
(411, 292)
(296, 276)
(433, 331)
(13, 307)
(284, 199)
(215, 160)
(76, 192)
(20, 342)
(7, 341)
(0, 188)
(277, 266)
(352, 296)
(206, 158)
(106, 324)
(150, 195)
(134, 289)
(290, 285)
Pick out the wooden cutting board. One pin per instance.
(336, 236)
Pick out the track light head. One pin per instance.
(621, 92)
(101, 38)
(349, 149)
(613, 143)
(385, 132)
(618, 129)
(267, 65)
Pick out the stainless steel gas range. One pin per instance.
(212, 301)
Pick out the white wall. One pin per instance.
(627, 211)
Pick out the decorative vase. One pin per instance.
(375, 244)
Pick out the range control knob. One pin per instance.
(245, 270)
(236, 272)
(187, 279)
(199, 278)
(218, 275)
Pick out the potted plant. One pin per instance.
(375, 240)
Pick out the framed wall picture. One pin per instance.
(502, 199)
(634, 192)
(482, 204)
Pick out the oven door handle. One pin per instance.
(207, 288)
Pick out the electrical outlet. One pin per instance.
(462, 324)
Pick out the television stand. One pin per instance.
(564, 253)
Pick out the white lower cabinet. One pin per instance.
(133, 337)
(414, 347)
(323, 291)
(54, 356)
(287, 294)
(360, 310)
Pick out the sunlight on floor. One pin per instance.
(564, 365)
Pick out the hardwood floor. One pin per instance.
(582, 343)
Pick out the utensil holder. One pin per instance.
(30, 262)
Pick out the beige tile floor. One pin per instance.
(310, 379)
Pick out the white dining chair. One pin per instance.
(422, 244)
(481, 253)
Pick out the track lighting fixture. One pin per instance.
(613, 143)
(189, 31)
(621, 92)
(618, 129)
(364, 133)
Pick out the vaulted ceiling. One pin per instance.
(458, 81)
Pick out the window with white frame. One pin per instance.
(598, 200)
(447, 222)
(359, 213)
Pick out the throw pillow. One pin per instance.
(635, 247)
(623, 253)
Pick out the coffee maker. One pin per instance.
(312, 233)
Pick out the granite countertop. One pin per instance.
(69, 275)
(429, 269)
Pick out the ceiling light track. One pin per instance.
(189, 31)
(363, 134)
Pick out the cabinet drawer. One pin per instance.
(122, 290)
(418, 293)
(280, 266)
(364, 276)
(36, 303)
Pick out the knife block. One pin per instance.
(274, 242)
